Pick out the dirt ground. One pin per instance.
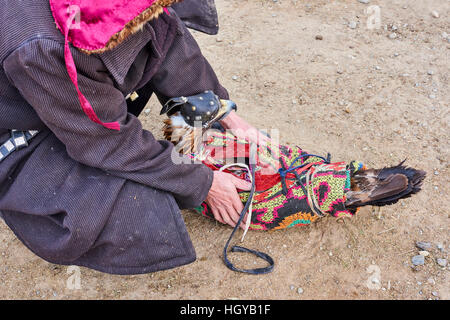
(358, 93)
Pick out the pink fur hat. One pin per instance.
(95, 26)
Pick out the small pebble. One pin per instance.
(319, 37)
(418, 260)
(430, 72)
(431, 281)
(352, 24)
(364, 1)
(393, 35)
(299, 290)
(441, 262)
(147, 111)
(440, 246)
(435, 14)
(424, 253)
(234, 77)
(434, 293)
(292, 287)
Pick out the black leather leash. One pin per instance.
(259, 254)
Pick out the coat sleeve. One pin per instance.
(38, 71)
(200, 15)
(185, 71)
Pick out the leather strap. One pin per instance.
(259, 254)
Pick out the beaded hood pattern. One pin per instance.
(293, 188)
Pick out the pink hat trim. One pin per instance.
(99, 21)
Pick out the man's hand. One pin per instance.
(243, 130)
(223, 197)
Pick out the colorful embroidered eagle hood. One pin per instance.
(293, 188)
(95, 26)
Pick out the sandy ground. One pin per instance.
(358, 93)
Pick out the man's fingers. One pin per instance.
(241, 184)
(226, 217)
(234, 213)
(238, 207)
(224, 199)
(217, 214)
(244, 221)
(237, 203)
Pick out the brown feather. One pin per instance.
(383, 186)
(391, 186)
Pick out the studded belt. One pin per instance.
(18, 140)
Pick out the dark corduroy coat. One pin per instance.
(81, 194)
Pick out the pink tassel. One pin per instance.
(72, 71)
